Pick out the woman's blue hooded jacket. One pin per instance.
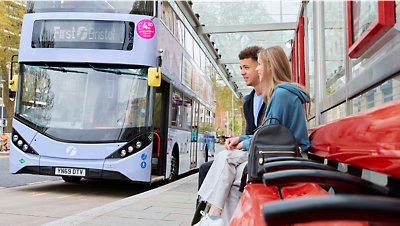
(286, 107)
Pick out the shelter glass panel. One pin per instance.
(309, 54)
(218, 15)
(334, 43)
(383, 93)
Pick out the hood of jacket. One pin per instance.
(297, 90)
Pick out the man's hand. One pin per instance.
(239, 146)
(232, 143)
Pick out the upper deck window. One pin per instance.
(124, 7)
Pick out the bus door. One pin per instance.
(160, 124)
(194, 134)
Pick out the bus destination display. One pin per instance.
(80, 34)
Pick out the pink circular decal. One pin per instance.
(146, 29)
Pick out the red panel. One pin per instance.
(386, 19)
(300, 38)
(296, 60)
(370, 139)
(248, 210)
(383, 164)
(302, 190)
(293, 63)
(334, 223)
(310, 189)
(349, 25)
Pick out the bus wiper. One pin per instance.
(118, 72)
(63, 69)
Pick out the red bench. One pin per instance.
(366, 149)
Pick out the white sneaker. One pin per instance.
(207, 221)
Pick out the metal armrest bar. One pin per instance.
(337, 180)
(340, 207)
(285, 158)
(285, 165)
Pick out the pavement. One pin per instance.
(170, 205)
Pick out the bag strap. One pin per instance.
(276, 122)
(272, 121)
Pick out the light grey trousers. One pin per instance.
(221, 185)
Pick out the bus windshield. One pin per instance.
(126, 7)
(84, 103)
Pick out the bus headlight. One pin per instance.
(22, 144)
(19, 143)
(25, 147)
(133, 146)
(138, 145)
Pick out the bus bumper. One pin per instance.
(136, 167)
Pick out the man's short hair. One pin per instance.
(250, 52)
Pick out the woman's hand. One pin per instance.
(232, 143)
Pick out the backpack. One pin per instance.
(270, 141)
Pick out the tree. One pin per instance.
(11, 13)
(223, 95)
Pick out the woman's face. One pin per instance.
(262, 69)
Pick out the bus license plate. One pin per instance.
(70, 172)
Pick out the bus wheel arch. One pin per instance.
(174, 164)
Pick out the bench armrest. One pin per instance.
(285, 158)
(338, 180)
(285, 165)
(340, 207)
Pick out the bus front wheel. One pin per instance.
(174, 168)
(71, 179)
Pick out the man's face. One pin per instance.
(248, 71)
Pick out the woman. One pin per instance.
(285, 106)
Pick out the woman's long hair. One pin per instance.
(280, 67)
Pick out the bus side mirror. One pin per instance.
(13, 86)
(13, 79)
(154, 77)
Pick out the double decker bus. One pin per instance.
(87, 105)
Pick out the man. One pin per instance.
(253, 103)
(254, 109)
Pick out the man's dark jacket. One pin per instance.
(248, 113)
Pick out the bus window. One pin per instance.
(187, 117)
(212, 121)
(168, 15)
(207, 121)
(201, 119)
(176, 109)
(195, 119)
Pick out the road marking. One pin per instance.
(67, 196)
(41, 182)
(39, 193)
